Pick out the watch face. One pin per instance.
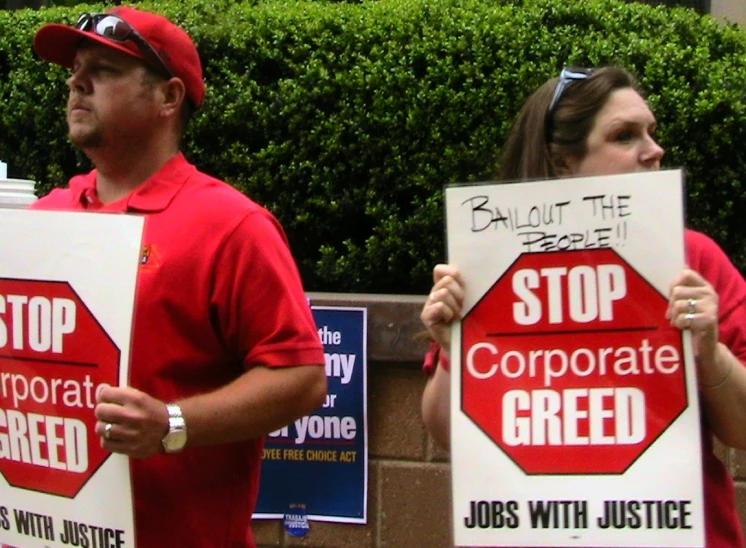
(174, 441)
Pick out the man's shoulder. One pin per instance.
(210, 193)
(212, 209)
(57, 199)
(64, 198)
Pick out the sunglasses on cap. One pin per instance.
(566, 77)
(117, 29)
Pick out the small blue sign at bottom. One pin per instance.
(295, 520)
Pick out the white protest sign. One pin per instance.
(571, 391)
(67, 290)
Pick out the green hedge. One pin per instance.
(346, 119)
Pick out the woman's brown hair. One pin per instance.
(537, 141)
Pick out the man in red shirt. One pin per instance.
(224, 347)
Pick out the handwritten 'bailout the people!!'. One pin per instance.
(540, 226)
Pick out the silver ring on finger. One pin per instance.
(691, 307)
(688, 317)
(107, 430)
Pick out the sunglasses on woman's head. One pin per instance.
(566, 77)
(117, 29)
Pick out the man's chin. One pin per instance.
(85, 140)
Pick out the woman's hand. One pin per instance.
(693, 304)
(444, 303)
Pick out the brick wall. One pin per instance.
(409, 478)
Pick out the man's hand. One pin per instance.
(138, 422)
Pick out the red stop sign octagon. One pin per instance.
(569, 364)
(54, 355)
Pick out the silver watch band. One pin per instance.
(175, 439)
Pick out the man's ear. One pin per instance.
(174, 94)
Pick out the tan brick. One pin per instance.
(394, 418)
(393, 323)
(267, 532)
(415, 505)
(721, 451)
(738, 464)
(435, 453)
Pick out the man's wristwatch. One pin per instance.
(176, 437)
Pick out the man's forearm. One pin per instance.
(260, 401)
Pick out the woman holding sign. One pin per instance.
(596, 122)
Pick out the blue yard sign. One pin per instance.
(320, 462)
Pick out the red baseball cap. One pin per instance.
(59, 43)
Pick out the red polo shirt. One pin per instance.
(217, 293)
